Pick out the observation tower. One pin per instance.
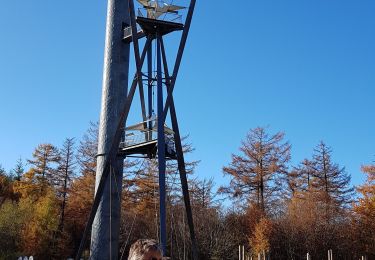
(150, 137)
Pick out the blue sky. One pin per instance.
(303, 67)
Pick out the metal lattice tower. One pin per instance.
(155, 19)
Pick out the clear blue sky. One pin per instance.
(303, 67)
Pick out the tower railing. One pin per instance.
(168, 17)
(135, 138)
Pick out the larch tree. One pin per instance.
(42, 223)
(257, 173)
(316, 213)
(365, 210)
(5, 186)
(65, 175)
(260, 240)
(87, 150)
(331, 180)
(82, 187)
(43, 165)
(12, 222)
(42, 174)
(213, 239)
(202, 193)
(301, 179)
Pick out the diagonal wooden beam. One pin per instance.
(180, 52)
(180, 158)
(111, 156)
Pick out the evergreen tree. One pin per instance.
(18, 170)
(2, 171)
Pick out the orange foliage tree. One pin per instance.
(256, 174)
(365, 210)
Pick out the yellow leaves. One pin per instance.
(40, 224)
(11, 221)
(260, 240)
(28, 187)
(5, 188)
(28, 225)
(366, 206)
(81, 197)
(370, 171)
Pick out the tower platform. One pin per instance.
(162, 27)
(142, 143)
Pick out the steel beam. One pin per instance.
(180, 52)
(161, 153)
(180, 159)
(149, 84)
(133, 24)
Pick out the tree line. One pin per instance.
(269, 206)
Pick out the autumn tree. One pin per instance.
(208, 219)
(6, 187)
(256, 174)
(303, 228)
(41, 224)
(82, 188)
(45, 158)
(260, 239)
(365, 210)
(202, 193)
(332, 181)
(5, 184)
(301, 178)
(317, 210)
(65, 174)
(42, 172)
(12, 221)
(87, 150)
